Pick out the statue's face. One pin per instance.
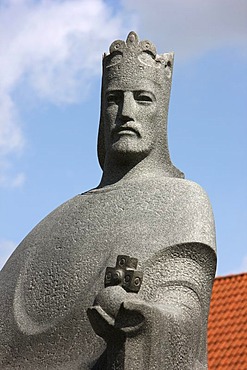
(130, 117)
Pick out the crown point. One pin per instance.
(132, 38)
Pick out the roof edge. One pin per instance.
(230, 276)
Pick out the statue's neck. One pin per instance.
(117, 171)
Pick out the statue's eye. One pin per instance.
(113, 98)
(143, 97)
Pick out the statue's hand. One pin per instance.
(104, 311)
(116, 310)
(133, 314)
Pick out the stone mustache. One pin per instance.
(52, 292)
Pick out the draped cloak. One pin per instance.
(55, 273)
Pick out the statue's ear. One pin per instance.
(101, 134)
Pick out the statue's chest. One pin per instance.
(70, 249)
(128, 223)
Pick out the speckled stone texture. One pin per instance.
(54, 310)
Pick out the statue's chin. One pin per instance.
(129, 149)
(128, 156)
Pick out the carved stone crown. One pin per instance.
(134, 59)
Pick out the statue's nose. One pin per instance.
(128, 106)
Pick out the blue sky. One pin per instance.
(49, 103)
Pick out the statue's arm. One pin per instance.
(172, 328)
(169, 316)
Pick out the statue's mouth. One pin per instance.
(126, 130)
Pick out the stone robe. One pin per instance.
(55, 273)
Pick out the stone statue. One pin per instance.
(55, 311)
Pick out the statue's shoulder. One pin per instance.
(190, 196)
(72, 205)
(192, 189)
(195, 196)
(59, 219)
(183, 190)
(189, 207)
(178, 183)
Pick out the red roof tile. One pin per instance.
(227, 326)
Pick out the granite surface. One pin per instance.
(55, 312)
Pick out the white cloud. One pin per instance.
(6, 248)
(10, 133)
(54, 47)
(8, 178)
(192, 27)
(54, 44)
